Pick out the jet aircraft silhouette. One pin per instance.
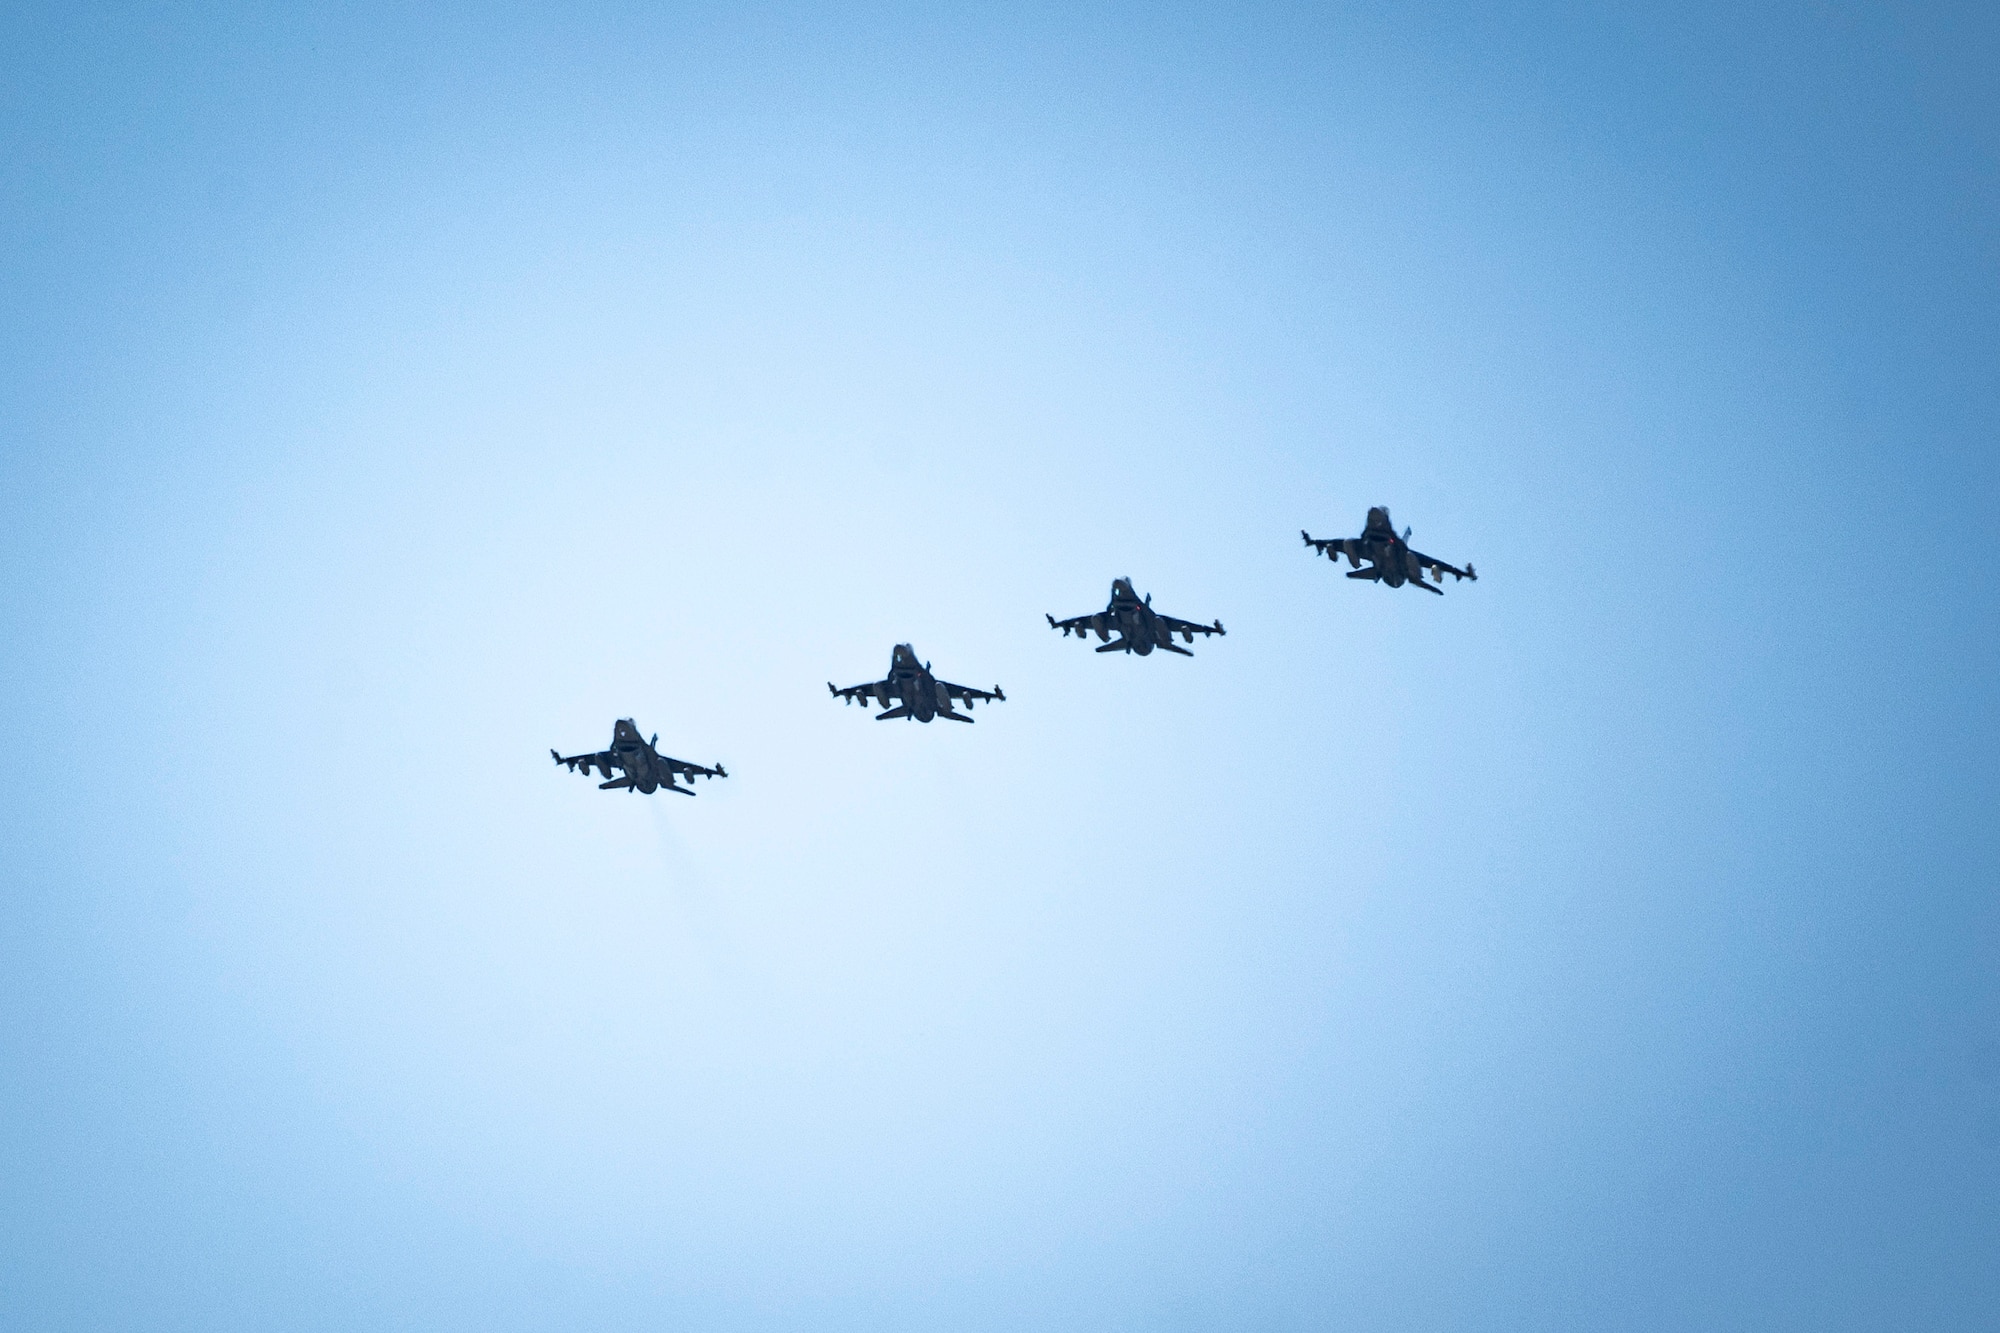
(1140, 628)
(1389, 557)
(920, 694)
(645, 768)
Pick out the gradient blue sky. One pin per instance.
(390, 395)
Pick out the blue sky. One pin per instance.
(391, 396)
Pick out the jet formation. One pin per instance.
(910, 690)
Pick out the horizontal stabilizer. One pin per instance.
(1428, 587)
(1369, 573)
(1117, 645)
(903, 711)
(956, 717)
(1176, 648)
(615, 782)
(679, 791)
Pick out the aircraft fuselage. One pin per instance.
(916, 686)
(1391, 558)
(636, 757)
(1138, 624)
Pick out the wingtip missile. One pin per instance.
(1219, 629)
(553, 755)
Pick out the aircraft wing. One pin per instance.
(604, 760)
(1187, 629)
(879, 692)
(681, 768)
(1438, 568)
(965, 694)
(1330, 547)
(1079, 625)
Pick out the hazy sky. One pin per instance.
(389, 395)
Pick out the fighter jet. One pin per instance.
(1140, 628)
(1389, 557)
(920, 694)
(645, 768)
